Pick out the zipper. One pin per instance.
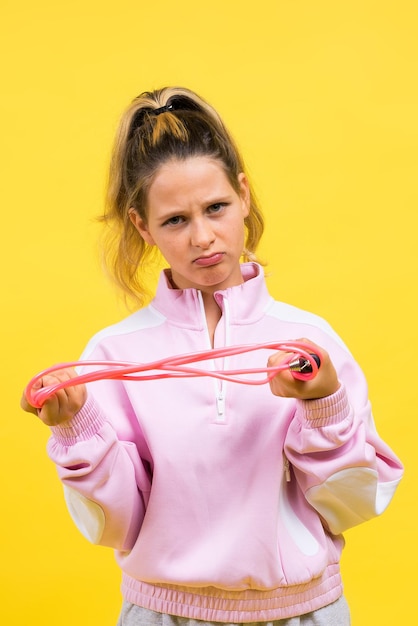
(219, 385)
(220, 405)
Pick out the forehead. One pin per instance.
(192, 167)
(194, 179)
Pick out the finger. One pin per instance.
(62, 405)
(24, 404)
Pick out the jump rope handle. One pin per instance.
(300, 365)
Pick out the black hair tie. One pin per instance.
(164, 109)
(141, 115)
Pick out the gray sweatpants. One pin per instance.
(335, 614)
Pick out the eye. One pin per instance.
(217, 207)
(174, 221)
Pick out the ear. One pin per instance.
(140, 226)
(244, 193)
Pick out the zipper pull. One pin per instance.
(286, 469)
(220, 404)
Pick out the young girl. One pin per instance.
(225, 503)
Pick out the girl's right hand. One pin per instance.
(63, 405)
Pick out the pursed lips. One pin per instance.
(211, 259)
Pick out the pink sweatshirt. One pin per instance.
(222, 501)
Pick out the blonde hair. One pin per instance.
(166, 124)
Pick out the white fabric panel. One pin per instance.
(88, 516)
(351, 497)
(305, 541)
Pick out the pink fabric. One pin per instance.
(221, 499)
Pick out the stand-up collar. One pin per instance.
(247, 301)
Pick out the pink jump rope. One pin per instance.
(302, 362)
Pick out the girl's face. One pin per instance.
(196, 219)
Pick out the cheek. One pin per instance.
(237, 228)
(171, 246)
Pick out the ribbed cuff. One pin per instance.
(84, 425)
(324, 411)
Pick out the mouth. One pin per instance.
(207, 261)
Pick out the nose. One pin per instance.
(202, 235)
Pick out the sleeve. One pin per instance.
(106, 485)
(347, 473)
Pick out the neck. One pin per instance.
(213, 314)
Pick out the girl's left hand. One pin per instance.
(323, 384)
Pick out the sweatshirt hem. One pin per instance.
(219, 605)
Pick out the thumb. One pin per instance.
(25, 404)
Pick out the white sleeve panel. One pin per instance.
(350, 497)
(88, 516)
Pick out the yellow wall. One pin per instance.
(322, 97)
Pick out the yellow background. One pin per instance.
(322, 98)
